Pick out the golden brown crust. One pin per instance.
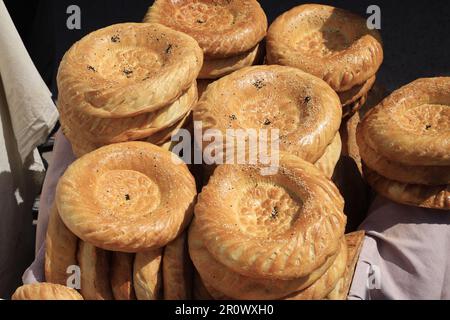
(327, 162)
(117, 197)
(147, 275)
(95, 269)
(199, 291)
(351, 109)
(45, 291)
(245, 217)
(338, 292)
(217, 68)
(218, 278)
(177, 270)
(165, 135)
(331, 43)
(60, 249)
(435, 197)
(242, 23)
(327, 282)
(216, 294)
(81, 146)
(122, 276)
(107, 130)
(411, 126)
(128, 69)
(304, 109)
(202, 84)
(357, 92)
(426, 175)
(355, 241)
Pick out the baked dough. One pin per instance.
(199, 291)
(247, 220)
(327, 162)
(351, 109)
(330, 43)
(165, 135)
(357, 92)
(128, 69)
(147, 275)
(95, 270)
(216, 294)
(223, 28)
(81, 146)
(60, 249)
(177, 270)
(45, 291)
(327, 282)
(355, 241)
(107, 131)
(338, 291)
(436, 197)
(218, 278)
(117, 197)
(426, 175)
(122, 276)
(411, 126)
(219, 67)
(304, 108)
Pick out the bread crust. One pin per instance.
(435, 197)
(217, 278)
(128, 69)
(328, 281)
(95, 271)
(242, 235)
(411, 126)
(426, 175)
(45, 291)
(147, 275)
(330, 43)
(357, 92)
(117, 197)
(219, 67)
(103, 131)
(177, 270)
(122, 275)
(305, 110)
(242, 23)
(327, 162)
(61, 247)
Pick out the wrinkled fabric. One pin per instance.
(27, 116)
(405, 254)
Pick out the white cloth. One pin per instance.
(27, 115)
(33, 113)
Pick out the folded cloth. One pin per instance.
(32, 111)
(27, 116)
(405, 254)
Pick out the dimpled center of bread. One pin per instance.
(267, 210)
(205, 15)
(129, 64)
(126, 192)
(324, 43)
(282, 114)
(428, 119)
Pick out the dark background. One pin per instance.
(416, 34)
